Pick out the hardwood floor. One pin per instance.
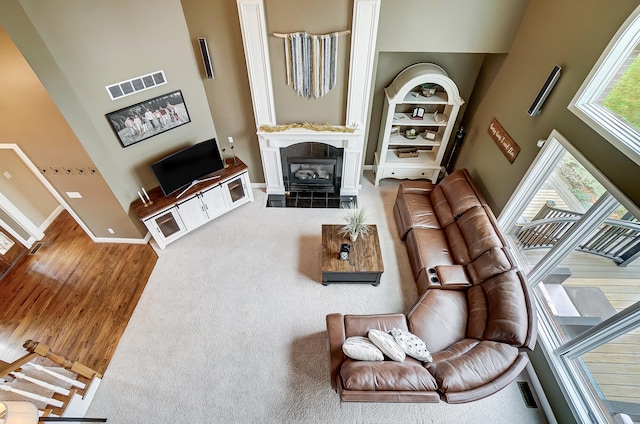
(74, 295)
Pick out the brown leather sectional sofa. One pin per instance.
(475, 311)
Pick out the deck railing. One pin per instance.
(616, 239)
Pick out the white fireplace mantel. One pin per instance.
(351, 142)
(364, 31)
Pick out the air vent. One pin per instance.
(527, 395)
(35, 248)
(135, 85)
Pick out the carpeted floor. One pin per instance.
(230, 328)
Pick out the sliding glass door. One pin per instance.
(578, 239)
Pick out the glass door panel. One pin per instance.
(589, 285)
(236, 190)
(567, 193)
(612, 374)
(580, 248)
(168, 224)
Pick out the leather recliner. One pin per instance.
(475, 311)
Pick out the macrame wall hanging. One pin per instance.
(311, 62)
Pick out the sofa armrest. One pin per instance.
(335, 339)
(416, 187)
(451, 277)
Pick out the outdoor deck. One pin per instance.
(615, 366)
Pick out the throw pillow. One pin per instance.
(387, 344)
(361, 349)
(411, 344)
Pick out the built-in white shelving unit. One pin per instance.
(440, 111)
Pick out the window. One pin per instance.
(609, 99)
(577, 237)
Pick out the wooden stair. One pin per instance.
(81, 385)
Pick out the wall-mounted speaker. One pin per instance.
(545, 91)
(206, 60)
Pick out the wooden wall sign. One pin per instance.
(509, 147)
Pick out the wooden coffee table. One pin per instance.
(365, 260)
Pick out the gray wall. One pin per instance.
(23, 189)
(284, 16)
(573, 36)
(76, 48)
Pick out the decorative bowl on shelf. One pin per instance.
(411, 133)
(428, 92)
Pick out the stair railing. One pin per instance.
(62, 397)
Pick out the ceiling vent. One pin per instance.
(135, 85)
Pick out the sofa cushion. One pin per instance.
(439, 318)
(427, 247)
(470, 363)
(441, 206)
(387, 375)
(478, 232)
(507, 319)
(458, 244)
(459, 193)
(362, 349)
(478, 312)
(492, 262)
(416, 211)
(387, 344)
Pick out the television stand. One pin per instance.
(170, 217)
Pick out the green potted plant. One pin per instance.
(354, 222)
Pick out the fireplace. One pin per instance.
(282, 149)
(311, 166)
(311, 174)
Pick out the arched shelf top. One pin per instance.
(421, 73)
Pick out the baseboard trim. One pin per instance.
(51, 218)
(144, 240)
(542, 397)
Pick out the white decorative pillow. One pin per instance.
(411, 344)
(361, 349)
(386, 344)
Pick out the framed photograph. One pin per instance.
(146, 119)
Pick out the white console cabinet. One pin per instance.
(399, 156)
(202, 207)
(168, 218)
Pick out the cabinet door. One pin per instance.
(213, 201)
(165, 227)
(237, 191)
(192, 213)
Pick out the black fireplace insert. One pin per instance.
(312, 174)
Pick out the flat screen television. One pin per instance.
(185, 167)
